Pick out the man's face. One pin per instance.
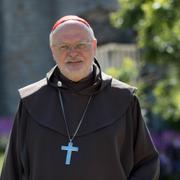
(73, 49)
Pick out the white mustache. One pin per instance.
(73, 59)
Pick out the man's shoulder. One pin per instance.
(117, 84)
(32, 88)
(122, 85)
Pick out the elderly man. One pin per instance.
(78, 123)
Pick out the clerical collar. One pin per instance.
(76, 86)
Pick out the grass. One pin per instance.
(1, 161)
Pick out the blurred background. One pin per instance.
(138, 43)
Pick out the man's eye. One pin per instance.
(80, 46)
(64, 47)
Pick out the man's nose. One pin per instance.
(72, 51)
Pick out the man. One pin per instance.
(78, 123)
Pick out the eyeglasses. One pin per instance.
(78, 47)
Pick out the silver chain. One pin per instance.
(64, 116)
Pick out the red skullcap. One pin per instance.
(67, 18)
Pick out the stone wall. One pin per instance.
(26, 56)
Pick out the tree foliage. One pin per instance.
(128, 72)
(156, 24)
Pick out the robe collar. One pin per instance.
(93, 83)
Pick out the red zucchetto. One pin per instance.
(67, 18)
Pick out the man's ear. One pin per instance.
(94, 45)
(52, 51)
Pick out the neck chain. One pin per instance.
(70, 146)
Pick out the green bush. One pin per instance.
(1, 161)
(156, 26)
(128, 72)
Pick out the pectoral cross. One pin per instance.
(70, 148)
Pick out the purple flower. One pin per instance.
(5, 125)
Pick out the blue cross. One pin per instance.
(69, 150)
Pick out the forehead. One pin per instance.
(72, 31)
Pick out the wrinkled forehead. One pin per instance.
(72, 29)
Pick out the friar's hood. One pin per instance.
(111, 100)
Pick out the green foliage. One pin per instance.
(167, 93)
(1, 161)
(127, 73)
(157, 23)
(3, 143)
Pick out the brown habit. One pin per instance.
(113, 141)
